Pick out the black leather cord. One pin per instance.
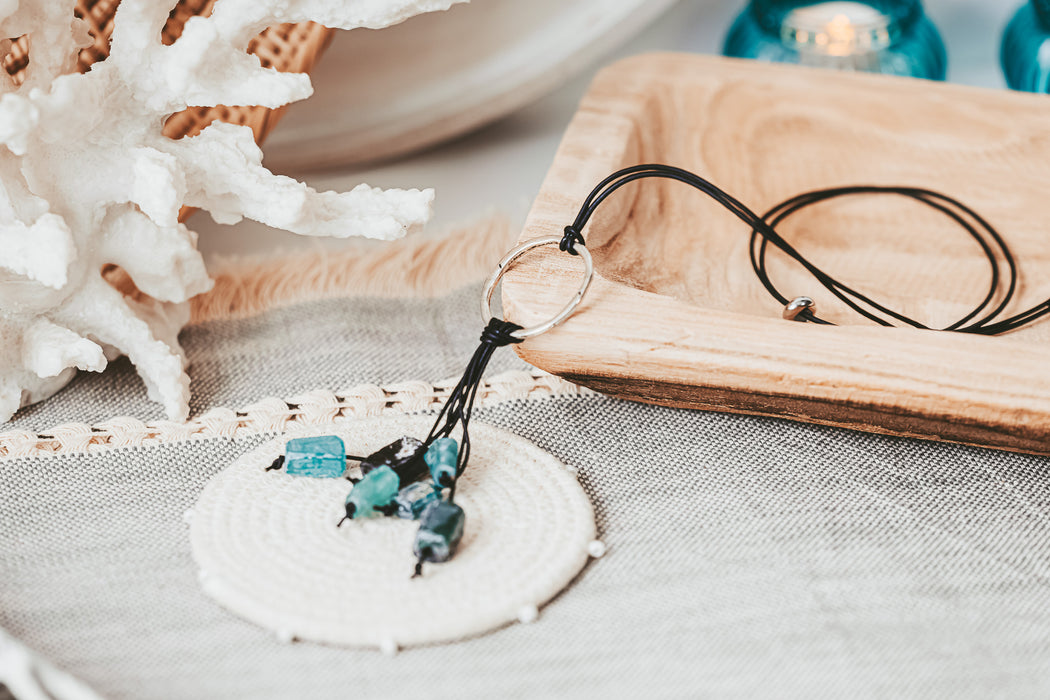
(984, 319)
(460, 403)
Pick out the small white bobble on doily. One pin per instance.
(284, 636)
(596, 549)
(528, 614)
(187, 516)
(388, 646)
(211, 585)
(571, 469)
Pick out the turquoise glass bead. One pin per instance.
(323, 456)
(440, 530)
(374, 494)
(414, 499)
(441, 459)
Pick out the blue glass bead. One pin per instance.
(440, 530)
(323, 456)
(441, 459)
(404, 456)
(374, 494)
(414, 499)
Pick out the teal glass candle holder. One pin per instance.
(876, 36)
(1025, 51)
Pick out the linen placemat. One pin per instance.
(747, 557)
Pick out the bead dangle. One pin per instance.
(416, 479)
(410, 478)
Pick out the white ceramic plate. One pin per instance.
(384, 93)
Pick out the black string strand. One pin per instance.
(982, 319)
(932, 199)
(460, 404)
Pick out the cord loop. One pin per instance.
(499, 333)
(570, 239)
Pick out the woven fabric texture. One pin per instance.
(334, 345)
(746, 557)
(274, 415)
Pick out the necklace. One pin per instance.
(416, 478)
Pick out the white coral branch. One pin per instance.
(88, 180)
(40, 251)
(144, 331)
(57, 37)
(49, 349)
(240, 20)
(230, 181)
(176, 277)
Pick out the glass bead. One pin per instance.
(404, 456)
(414, 499)
(323, 456)
(441, 460)
(374, 494)
(440, 530)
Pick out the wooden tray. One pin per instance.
(676, 316)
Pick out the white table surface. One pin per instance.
(501, 166)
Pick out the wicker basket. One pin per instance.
(287, 47)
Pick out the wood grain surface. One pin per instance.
(677, 317)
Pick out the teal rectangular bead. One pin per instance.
(442, 458)
(323, 457)
(440, 530)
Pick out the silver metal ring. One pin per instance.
(501, 268)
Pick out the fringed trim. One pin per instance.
(272, 415)
(417, 266)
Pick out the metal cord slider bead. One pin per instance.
(797, 306)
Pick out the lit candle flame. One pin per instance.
(838, 28)
(842, 37)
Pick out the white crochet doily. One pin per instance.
(270, 551)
